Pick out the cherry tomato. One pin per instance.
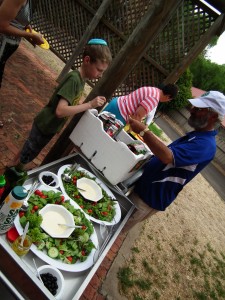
(38, 192)
(77, 197)
(70, 258)
(62, 198)
(84, 227)
(81, 206)
(61, 251)
(83, 253)
(35, 207)
(21, 214)
(90, 211)
(104, 213)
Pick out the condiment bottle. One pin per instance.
(10, 207)
(2, 185)
(14, 177)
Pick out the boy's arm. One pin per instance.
(63, 108)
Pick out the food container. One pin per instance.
(23, 249)
(60, 279)
(49, 179)
(112, 157)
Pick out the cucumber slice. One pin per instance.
(53, 252)
(41, 245)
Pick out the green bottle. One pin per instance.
(2, 185)
(13, 176)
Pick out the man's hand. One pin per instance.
(97, 101)
(157, 147)
(135, 125)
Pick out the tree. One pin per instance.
(184, 85)
(208, 75)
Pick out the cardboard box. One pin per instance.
(112, 157)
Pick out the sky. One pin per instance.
(217, 53)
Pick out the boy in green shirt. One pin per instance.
(67, 100)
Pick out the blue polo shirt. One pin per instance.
(160, 184)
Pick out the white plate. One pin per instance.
(117, 217)
(78, 266)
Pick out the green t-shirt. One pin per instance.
(71, 89)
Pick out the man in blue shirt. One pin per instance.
(173, 166)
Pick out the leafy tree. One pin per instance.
(208, 75)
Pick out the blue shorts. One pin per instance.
(113, 108)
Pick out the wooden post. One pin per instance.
(88, 32)
(149, 27)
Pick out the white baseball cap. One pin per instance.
(212, 99)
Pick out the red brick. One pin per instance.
(115, 248)
(95, 282)
(101, 272)
(11, 147)
(111, 255)
(89, 292)
(107, 263)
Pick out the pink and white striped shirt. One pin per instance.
(146, 96)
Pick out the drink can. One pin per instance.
(111, 131)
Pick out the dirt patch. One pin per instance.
(177, 254)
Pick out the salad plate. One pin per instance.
(48, 255)
(95, 211)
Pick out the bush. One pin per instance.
(184, 85)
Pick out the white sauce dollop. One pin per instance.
(50, 221)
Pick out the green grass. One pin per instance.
(206, 266)
(124, 275)
(156, 130)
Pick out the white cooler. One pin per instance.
(112, 157)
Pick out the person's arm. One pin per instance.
(63, 109)
(157, 147)
(140, 113)
(8, 12)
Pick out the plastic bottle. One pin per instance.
(2, 186)
(10, 208)
(14, 177)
